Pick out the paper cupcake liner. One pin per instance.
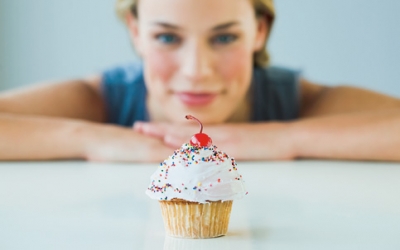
(185, 219)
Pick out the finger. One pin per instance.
(152, 129)
(137, 126)
(174, 141)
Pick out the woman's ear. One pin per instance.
(262, 33)
(133, 29)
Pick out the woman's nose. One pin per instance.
(197, 62)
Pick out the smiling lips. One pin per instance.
(196, 99)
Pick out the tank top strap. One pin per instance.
(124, 92)
(275, 94)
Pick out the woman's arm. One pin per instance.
(318, 100)
(63, 121)
(347, 123)
(77, 99)
(337, 123)
(34, 120)
(362, 136)
(353, 136)
(24, 137)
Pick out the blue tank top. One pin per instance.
(275, 94)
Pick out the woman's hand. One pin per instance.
(263, 141)
(113, 143)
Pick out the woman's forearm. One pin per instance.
(40, 138)
(361, 136)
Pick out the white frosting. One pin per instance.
(197, 174)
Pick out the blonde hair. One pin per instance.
(263, 8)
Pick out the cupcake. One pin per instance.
(195, 187)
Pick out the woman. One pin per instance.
(205, 58)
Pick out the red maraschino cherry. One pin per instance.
(200, 139)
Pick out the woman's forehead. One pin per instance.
(204, 13)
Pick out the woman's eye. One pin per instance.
(224, 39)
(167, 38)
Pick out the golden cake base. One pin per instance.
(185, 219)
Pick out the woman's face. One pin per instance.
(198, 56)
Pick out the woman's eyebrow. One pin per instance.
(216, 28)
(167, 25)
(225, 25)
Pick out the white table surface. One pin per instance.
(291, 205)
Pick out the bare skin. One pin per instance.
(331, 133)
(365, 130)
(46, 116)
(67, 120)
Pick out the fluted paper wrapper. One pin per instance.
(185, 219)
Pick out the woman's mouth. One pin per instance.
(196, 99)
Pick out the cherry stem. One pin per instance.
(190, 117)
